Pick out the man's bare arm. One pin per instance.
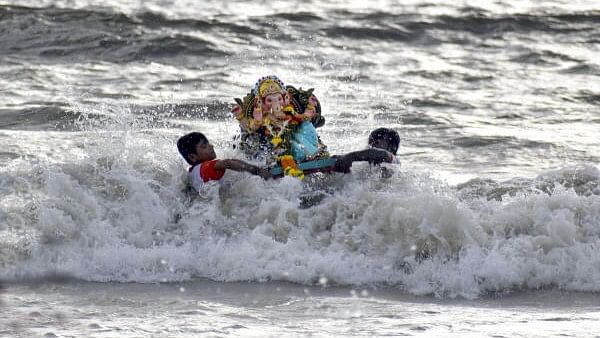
(239, 165)
(372, 155)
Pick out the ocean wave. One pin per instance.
(412, 119)
(94, 34)
(584, 180)
(487, 24)
(56, 34)
(506, 141)
(46, 116)
(439, 101)
(583, 69)
(109, 202)
(589, 96)
(370, 33)
(413, 26)
(544, 57)
(56, 116)
(297, 17)
(210, 111)
(123, 216)
(159, 21)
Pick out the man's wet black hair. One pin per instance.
(187, 144)
(388, 134)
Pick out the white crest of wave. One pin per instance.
(123, 213)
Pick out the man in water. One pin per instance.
(200, 155)
(383, 146)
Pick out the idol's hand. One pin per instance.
(237, 111)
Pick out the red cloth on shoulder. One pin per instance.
(208, 172)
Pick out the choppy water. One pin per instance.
(209, 309)
(497, 106)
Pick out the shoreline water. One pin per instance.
(271, 309)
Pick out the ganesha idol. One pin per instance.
(279, 122)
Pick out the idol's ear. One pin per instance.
(286, 98)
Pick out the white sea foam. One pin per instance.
(123, 214)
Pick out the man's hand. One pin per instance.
(342, 164)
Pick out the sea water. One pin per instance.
(490, 226)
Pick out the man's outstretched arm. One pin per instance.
(239, 165)
(372, 155)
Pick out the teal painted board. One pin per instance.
(311, 166)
